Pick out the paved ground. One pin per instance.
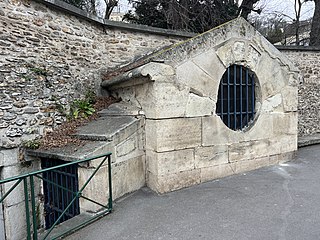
(279, 202)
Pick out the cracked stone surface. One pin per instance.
(279, 202)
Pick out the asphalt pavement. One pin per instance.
(278, 202)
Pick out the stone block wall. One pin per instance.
(308, 61)
(186, 141)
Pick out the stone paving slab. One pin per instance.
(278, 202)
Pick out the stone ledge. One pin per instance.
(106, 128)
(309, 140)
(69, 153)
(297, 48)
(68, 8)
(121, 109)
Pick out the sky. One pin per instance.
(123, 5)
(286, 7)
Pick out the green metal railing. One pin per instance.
(31, 216)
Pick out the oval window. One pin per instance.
(237, 97)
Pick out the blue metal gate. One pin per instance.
(60, 187)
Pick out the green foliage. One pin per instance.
(271, 27)
(149, 13)
(188, 15)
(76, 3)
(81, 108)
(90, 96)
(26, 77)
(31, 144)
(275, 35)
(39, 71)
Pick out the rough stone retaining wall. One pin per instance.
(308, 61)
(49, 57)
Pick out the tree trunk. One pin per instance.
(110, 5)
(297, 9)
(246, 7)
(178, 15)
(315, 27)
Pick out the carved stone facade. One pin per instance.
(186, 141)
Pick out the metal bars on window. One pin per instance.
(236, 97)
(60, 187)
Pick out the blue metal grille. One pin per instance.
(60, 187)
(236, 97)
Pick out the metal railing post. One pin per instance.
(26, 201)
(110, 183)
(33, 205)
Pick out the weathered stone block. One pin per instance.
(171, 162)
(290, 99)
(215, 172)
(239, 51)
(173, 134)
(211, 156)
(215, 132)
(253, 57)
(285, 123)
(286, 143)
(287, 156)
(282, 157)
(199, 106)
(157, 71)
(163, 100)
(1, 159)
(128, 176)
(97, 189)
(225, 53)
(151, 162)
(15, 222)
(172, 182)
(210, 64)
(272, 104)
(248, 150)
(251, 164)
(9, 156)
(17, 195)
(272, 77)
(262, 128)
(191, 75)
(126, 147)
